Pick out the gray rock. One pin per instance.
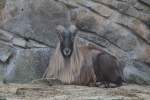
(34, 44)
(19, 42)
(139, 6)
(5, 52)
(87, 24)
(146, 1)
(6, 36)
(35, 19)
(115, 33)
(120, 37)
(27, 65)
(2, 4)
(137, 72)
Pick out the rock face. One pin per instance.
(120, 27)
(27, 37)
(27, 65)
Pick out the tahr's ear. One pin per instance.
(73, 29)
(60, 31)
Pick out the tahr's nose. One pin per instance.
(67, 51)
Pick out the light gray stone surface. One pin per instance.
(27, 65)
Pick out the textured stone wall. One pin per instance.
(27, 37)
(27, 34)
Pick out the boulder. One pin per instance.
(5, 52)
(137, 72)
(34, 19)
(19, 42)
(2, 4)
(27, 65)
(146, 2)
(5, 36)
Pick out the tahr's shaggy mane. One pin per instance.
(78, 69)
(82, 65)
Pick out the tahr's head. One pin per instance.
(66, 37)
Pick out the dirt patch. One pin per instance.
(42, 92)
(132, 91)
(72, 92)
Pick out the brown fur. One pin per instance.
(111, 70)
(76, 70)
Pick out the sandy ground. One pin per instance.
(71, 92)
